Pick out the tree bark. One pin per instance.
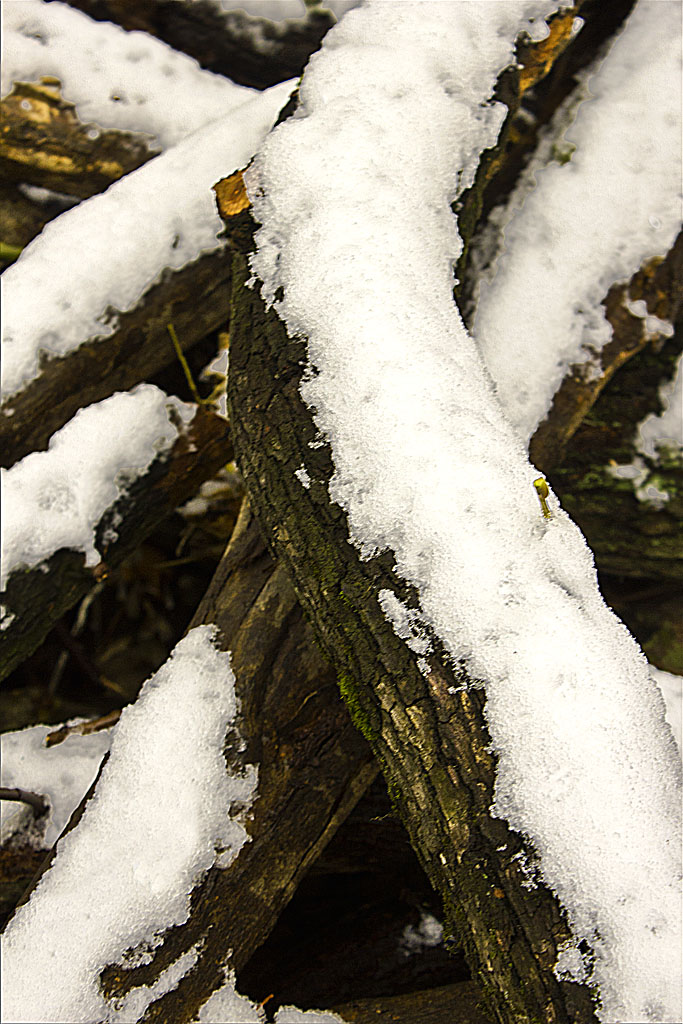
(45, 144)
(432, 745)
(196, 299)
(313, 767)
(36, 599)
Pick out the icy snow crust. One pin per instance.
(116, 79)
(101, 257)
(589, 222)
(55, 499)
(358, 230)
(147, 836)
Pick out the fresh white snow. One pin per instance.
(164, 811)
(62, 773)
(588, 222)
(428, 464)
(116, 79)
(55, 499)
(101, 257)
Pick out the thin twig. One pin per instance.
(184, 364)
(38, 803)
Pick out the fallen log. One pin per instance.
(35, 599)
(195, 299)
(427, 731)
(45, 144)
(313, 766)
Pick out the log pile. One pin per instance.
(325, 823)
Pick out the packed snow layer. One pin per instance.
(101, 257)
(164, 811)
(116, 79)
(62, 773)
(589, 222)
(55, 499)
(428, 465)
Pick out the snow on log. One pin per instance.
(594, 218)
(107, 479)
(165, 811)
(247, 47)
(116, 79)
(511, 702)
(45, 145)
(292, 728)
(117, 268)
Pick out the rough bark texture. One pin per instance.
(432, 744)
(221, 41)
(37, 598)
(45, 144)
(195, 299)
(448, 1004)
(313, 767)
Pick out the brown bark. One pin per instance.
(45, 144)
(432, 746)
(196, 299)
(37, 599)
(223, 42)
(447, 1004)
(313, 767)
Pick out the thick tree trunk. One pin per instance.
(36, 598)
(427, 731)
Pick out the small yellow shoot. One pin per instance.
(543, 492)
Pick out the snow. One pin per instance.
(667, 427)
(291, 1015)
(116, 79)
(62, 773)
(428, 465)
(163, 810)
(283, 10)
(55, 499)
(671, 687)
(589, 222)
(427, 933)
(100, 258)
(225, 1004)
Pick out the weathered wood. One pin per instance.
(196, 299)
(222, 41)
(44, 143)
(431, 744)
(448, 1004)
(313, 767)
(38, 597)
